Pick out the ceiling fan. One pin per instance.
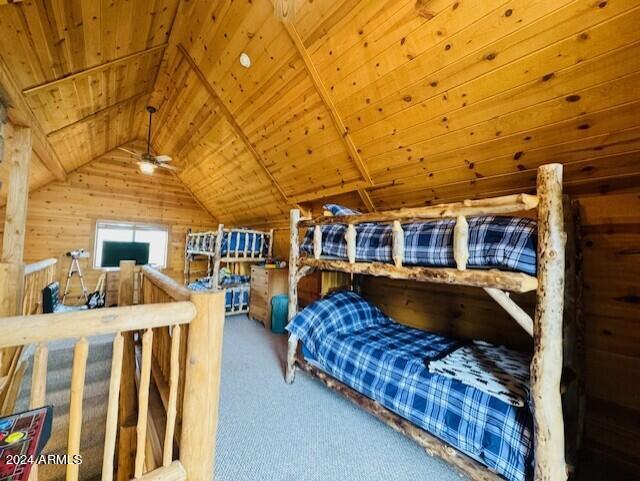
(149, 162)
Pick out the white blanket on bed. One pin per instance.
(496, 370)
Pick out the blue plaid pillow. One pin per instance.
(337, 209)
(340, 312)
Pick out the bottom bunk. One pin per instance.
(237, 292)
(386, 368)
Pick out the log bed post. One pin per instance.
(461, 243)
(546, 365)
(294, 254)
(218, 255)
(397, 248)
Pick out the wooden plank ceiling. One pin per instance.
(382, 103)
(79, 73)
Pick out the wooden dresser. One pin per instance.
(265, 283)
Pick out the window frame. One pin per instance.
(133, 226)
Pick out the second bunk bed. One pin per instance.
(228, 253)
(491, 412)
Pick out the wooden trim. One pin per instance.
(97, 113)
(95, 68)
(493, 205)
(328, 192)
(230, 119)
(21, 330)
(505, 280)
(432, 445)
(546, 365)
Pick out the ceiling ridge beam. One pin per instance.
(333, 112)
(97, 113)
(230, 119)
(95, 68)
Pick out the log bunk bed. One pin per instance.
(235, 249)
(556, 381)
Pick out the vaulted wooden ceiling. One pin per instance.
(383, 103)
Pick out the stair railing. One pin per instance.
(203, 314)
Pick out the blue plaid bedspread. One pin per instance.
(507, 243)
(234, 296)
(359, 345)
(238, 239)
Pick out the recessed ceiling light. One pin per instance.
(245, 60)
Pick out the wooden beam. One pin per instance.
(231, 119)
(20, 114)
(546, 365)
(17, 153)
(97, 113)
(505, 280)
(333, 112)
(95, 68)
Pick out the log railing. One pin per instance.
(204, 314)
(12, 365)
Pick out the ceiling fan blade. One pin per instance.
(130, 152)
(163, 158)
(169, 167)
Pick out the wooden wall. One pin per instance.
(611, 248)
(62, 216)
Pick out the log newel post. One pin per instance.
(202, 386)
(461, 242)
(546, 366)
(398, 243)
(294, 254)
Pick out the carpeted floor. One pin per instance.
(270, 431)
(267, 431)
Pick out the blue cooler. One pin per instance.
(279, 313)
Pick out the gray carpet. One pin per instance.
(269, 430)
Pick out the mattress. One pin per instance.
(236, 297)
(506, 243)
(357, 344)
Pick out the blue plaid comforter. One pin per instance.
(237, 240)
(359, 345)
(507, 243)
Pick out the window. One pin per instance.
(157, 237)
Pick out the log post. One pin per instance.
(218, 254)
(128, 399)
(461, 243)
(270, 248)
(398, 243)
(294, 254)
(202, 386)
(351, 243)
(546, 365)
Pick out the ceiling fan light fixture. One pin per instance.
(146, 168)
(245, 60)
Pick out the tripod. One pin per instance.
(74, 268)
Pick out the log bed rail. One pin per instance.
(203, 313)
(546, 327)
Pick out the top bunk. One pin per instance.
(469, 243)
(230, 245)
